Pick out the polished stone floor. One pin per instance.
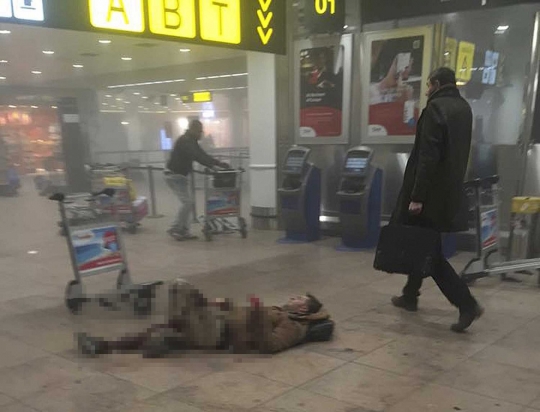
(381, 359)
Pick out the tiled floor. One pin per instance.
(381, 359)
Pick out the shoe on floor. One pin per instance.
(410, 305)
(89, 346)
(185, 236)
(174, 232)
(466, 318)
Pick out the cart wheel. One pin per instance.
(243, 227)
(132, 229)
(73, 298)
(207, 231)
(142, 305)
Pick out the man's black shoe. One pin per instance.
(466, 318)
(403, 302)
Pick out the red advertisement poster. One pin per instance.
(321, 93)
(395, 86)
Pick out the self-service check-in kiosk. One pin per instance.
(300, 197)
(360, 200)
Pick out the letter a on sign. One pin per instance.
(173, 17)
(122, 15)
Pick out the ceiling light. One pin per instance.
(127, 59)
(78, 66)
(503, 28)
(12, 106)
(201, 78)
(34, 107)
(54, 107)
(36, 72)
(108, 95)
(145, 97)
(185, 50)
(48, 52)
(104, 41)
(5, 31)
(125, 123)
(136, 94)
(105, 104)
(126, 102)
(3, 61)
(346, 27)
(2, 78)
(117, 86)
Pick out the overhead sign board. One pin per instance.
(324, 16)
(28, 10)
(257, 25)
(197, 97)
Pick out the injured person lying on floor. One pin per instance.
(195, 323)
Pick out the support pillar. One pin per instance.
(263, 139)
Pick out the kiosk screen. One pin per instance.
(356, 164)
(295, 162)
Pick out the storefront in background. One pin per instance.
(31, 138)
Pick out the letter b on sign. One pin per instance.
(172, 17)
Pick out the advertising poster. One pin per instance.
(321, 93)
(396, 85)
(96, 248)
(490, 229)
(223, 203)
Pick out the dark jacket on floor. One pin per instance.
(186, 151)
(436, 169)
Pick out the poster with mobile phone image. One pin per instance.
(397, 66)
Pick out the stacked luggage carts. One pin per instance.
(131, 209)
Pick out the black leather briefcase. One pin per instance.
(408, 250)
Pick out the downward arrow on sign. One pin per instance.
(265, 37)
(265, 4)
(265, 21)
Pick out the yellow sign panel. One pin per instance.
(450, 53)
(465, 61)
(221, 21)
(124, 15)
(173, 18)
(202, 97)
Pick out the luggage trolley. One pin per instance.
(223, 200)
(485, 197)
(130, 208)
(96, 247)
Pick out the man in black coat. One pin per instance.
(180, 165)
(433, 195)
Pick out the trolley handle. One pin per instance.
(482, 183)
(61, 197)
(212, 172)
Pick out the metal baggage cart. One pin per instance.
(130, 211)
(96, 247)
(484, 194)
(223, 201)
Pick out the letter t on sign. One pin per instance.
(221, 21)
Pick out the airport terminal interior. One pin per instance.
(309, 110)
